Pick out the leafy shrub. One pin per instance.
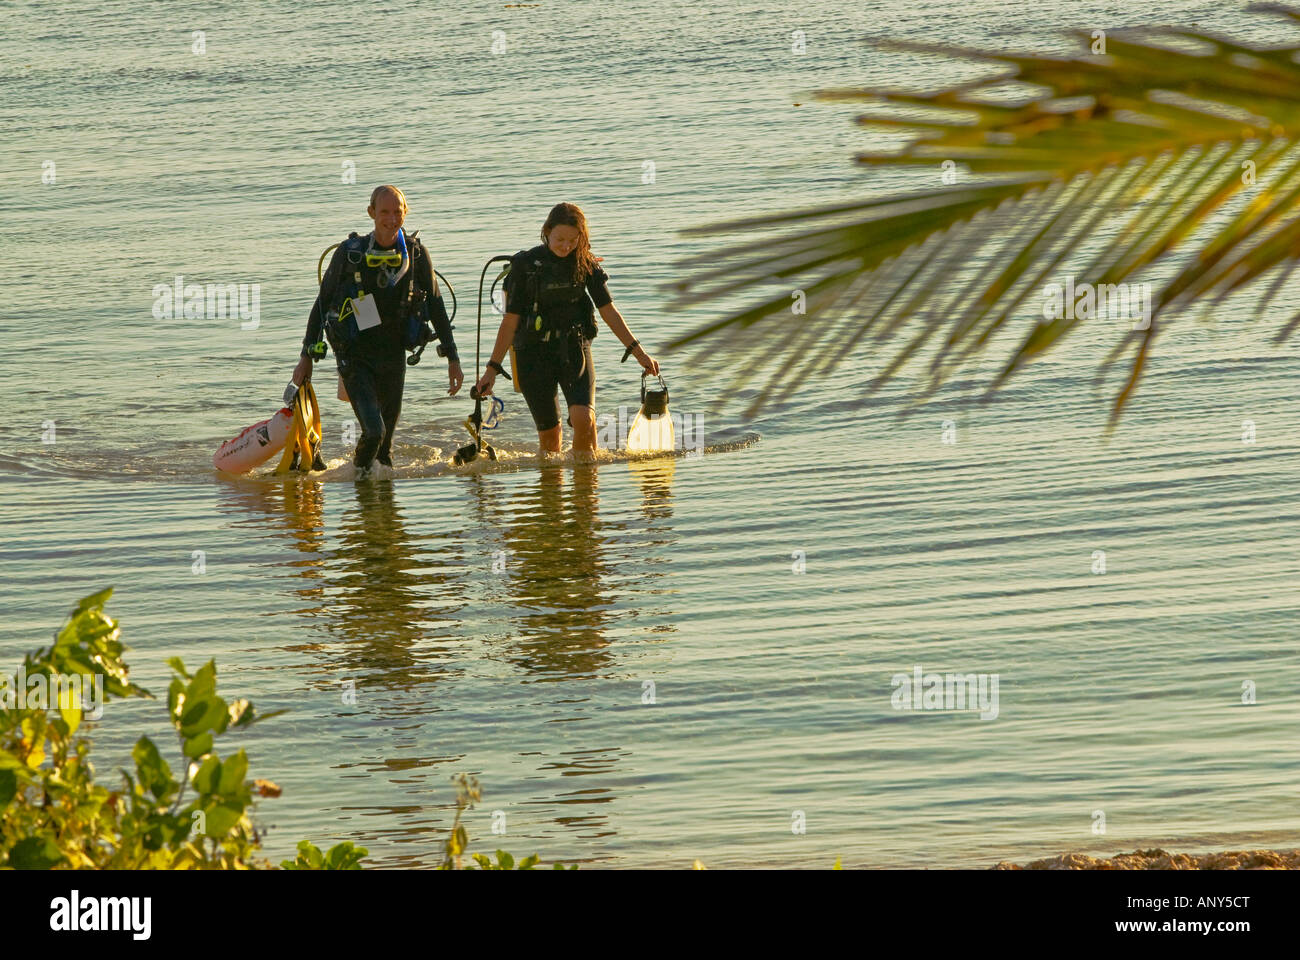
(53, 814)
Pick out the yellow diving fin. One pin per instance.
(302, 450)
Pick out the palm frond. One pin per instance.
(1123, 164)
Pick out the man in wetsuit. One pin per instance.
(370, 339)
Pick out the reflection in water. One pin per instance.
(371, 584)
(559, 577)
(533, 573)
(572, 575)
(390, 600)
(294, 507)
(655, 477)
(390, 595)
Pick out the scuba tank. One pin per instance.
(652, 429)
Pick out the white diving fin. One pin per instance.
(652, 428)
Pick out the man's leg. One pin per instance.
(391, 382)
(363, 393)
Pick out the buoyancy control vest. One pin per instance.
(554, 303)
(340, 319)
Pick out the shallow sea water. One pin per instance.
(512, 620)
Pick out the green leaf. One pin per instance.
(309, 858)
(460, 840)
(196, 747)
(1138, 154)
(483, 860)
(242, 714)
(90, 628)
(177, 664)
(527, 863)
(8, 760)
(8, 787)
(71, 663)
(345, 856)
(221, 817)
(203, 714)
(34, 853)
(175, 699)
(95, 600)
(194, 711)
(204, 683)
(72, 717)
(506, 861)
(151, 769)
(232, 772)
(300, 861)
(33, 730)
(207, 775)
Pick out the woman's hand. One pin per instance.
(484, 385)
(455, 377)
(302, 372)
(648, 363)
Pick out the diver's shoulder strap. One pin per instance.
(416, 249)
(355, 246)
(529, 261)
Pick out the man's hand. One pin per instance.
(455, 377)
(484, 385)
(302, 372)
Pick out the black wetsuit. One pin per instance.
(374, 366)
(562, 358)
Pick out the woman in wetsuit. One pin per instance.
(552, 292)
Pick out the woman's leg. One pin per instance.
(583, 419)
(549, 440)
(537, 380)
(580, 394)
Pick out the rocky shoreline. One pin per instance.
(1156, 859)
